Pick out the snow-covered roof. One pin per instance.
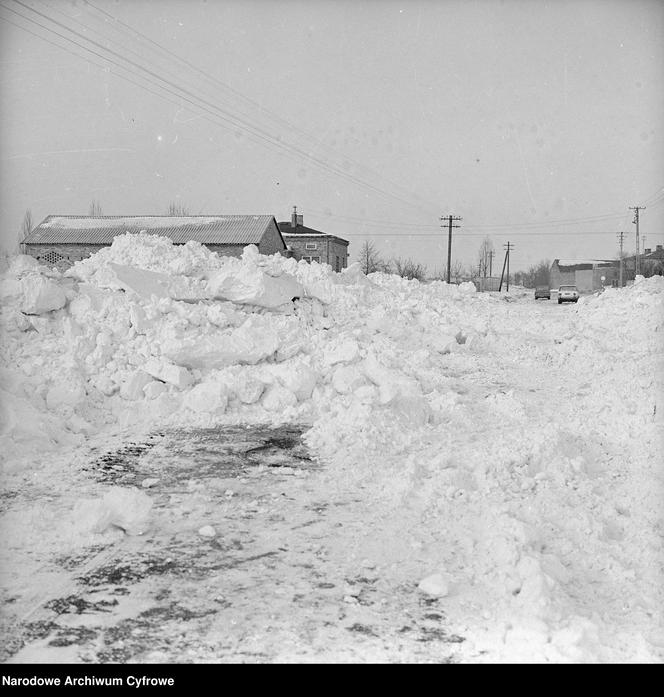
(206, 229)
(308, 234)
(299, 230)
(579, 262)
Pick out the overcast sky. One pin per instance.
(537, 122)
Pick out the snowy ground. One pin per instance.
(479, 476)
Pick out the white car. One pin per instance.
(568, 294)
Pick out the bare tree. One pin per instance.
(26, 229)
(95, 208)
(537, 275)
(177, 208)
(407, 268)
(484, 256)
(370, 259)
(652, 267)
(456, 271)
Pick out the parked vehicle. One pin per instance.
(568, 294)
(542, 292)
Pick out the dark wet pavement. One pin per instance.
(273, 585)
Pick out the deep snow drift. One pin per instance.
(512, 456)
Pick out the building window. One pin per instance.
(338, 265)
(52, 257)
(310, 259)
(311, 245)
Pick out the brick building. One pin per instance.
(60, 240)
(314, 245)
(651, 262)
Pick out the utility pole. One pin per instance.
(637, 264)
(450, 218)
(621, 236)
(508, 247)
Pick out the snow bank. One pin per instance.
(388, 372)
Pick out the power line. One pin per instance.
(122, 67)
(260, 107)
(77, 55)
(658, 196)
(276, 117)
(481, 234)
(237, 122)
(497, 226)
(260, 134)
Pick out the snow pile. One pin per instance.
(398, 379)
(184, 333)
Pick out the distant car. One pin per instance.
(568, 294)
(542, 292)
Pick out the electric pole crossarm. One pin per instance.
(508, 248)
(502, 274)
(637, 261)
(621, 236)
(449, 219)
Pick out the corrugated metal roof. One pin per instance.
(206, 229)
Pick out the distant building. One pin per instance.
(585, 274)
(314, 245)
(486, 283)
(61, 240)
(651, 262)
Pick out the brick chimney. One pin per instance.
(296, 219)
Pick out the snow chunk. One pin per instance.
(251, 286)
(249, 389)
(64, 393)
(132, 387)
(346, 351)
(153, 389)
(23, 263)
(297, 377)
(391, 384)
(251, 343)
(434, 585)
(208, 397)
(347, 379)
(40, 295)
(278, 398)
(126, 508)
(467, 288)
(167, 372)
(143, 283)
